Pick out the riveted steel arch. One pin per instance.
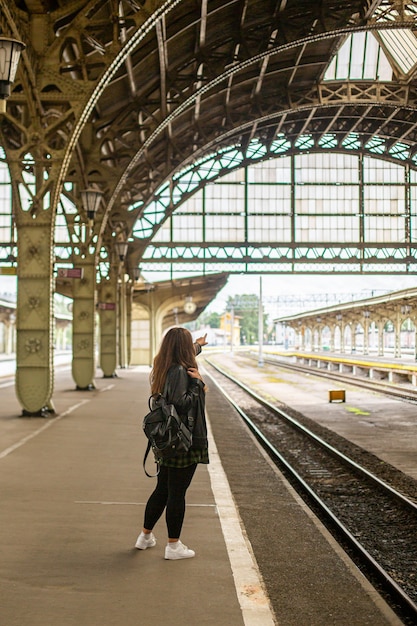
(366, 254)
(190, 180)
(123, 95)
(294, 100)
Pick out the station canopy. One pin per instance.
(154, 103)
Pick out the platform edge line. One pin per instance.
(250, 589)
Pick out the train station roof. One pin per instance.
(404, 302)
(181, 300)
(123, 96)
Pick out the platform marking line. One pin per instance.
(110, 503)
(253, 600)
(37, 432)
(106, 388)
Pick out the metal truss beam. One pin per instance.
(283, 257)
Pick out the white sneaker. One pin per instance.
(145, 541)
(180, 551)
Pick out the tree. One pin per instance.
(246, 307)
(213, 320)
(209, 319)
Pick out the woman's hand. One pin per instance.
(202, 340)
(194, 373)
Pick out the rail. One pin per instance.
(309, 477)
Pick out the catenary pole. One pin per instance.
(260, 325)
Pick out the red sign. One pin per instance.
(107, 306)
(70, 272)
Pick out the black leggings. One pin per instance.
(170, 492)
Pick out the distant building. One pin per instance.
(226, 321)
(215, 336)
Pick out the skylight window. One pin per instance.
(360, 58)
(400, 44)
(375, 55)
(402, 47)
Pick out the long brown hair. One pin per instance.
(177, 347)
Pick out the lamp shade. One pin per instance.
(10, 50)
(121, 249)
(91, 199)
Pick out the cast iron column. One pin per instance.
(83, 328)
(108, 324)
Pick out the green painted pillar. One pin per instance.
(353, 337)
(332, 332)
(414, 320)
(381, 325)
(129, 305)
(108, 324)
(34, 315)
(366, 336)
(122, 321)
(83, 325)
(397, 334)
(156, 318)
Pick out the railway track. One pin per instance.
(375, 522)
(395, 391)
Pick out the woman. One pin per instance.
(176, 365)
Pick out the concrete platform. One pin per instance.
(384, 426)
(73, 492)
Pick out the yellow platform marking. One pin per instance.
(356, 411)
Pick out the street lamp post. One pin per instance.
(90, 199)
(10, 50)
(232, 326)
(121, 249)
(260, 326)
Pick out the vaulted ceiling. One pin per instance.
(124, 94)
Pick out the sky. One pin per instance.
(7, 285)
(277, 290)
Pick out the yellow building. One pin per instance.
(229, 321)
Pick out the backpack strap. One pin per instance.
(148, 447)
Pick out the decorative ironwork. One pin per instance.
(33, 345)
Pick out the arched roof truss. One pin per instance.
(129, 95)
(339, 212)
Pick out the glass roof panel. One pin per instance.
(361, 57)
(402, 46)
(374, 55)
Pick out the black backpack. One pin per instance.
(167, 434)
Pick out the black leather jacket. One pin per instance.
(188, 397)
